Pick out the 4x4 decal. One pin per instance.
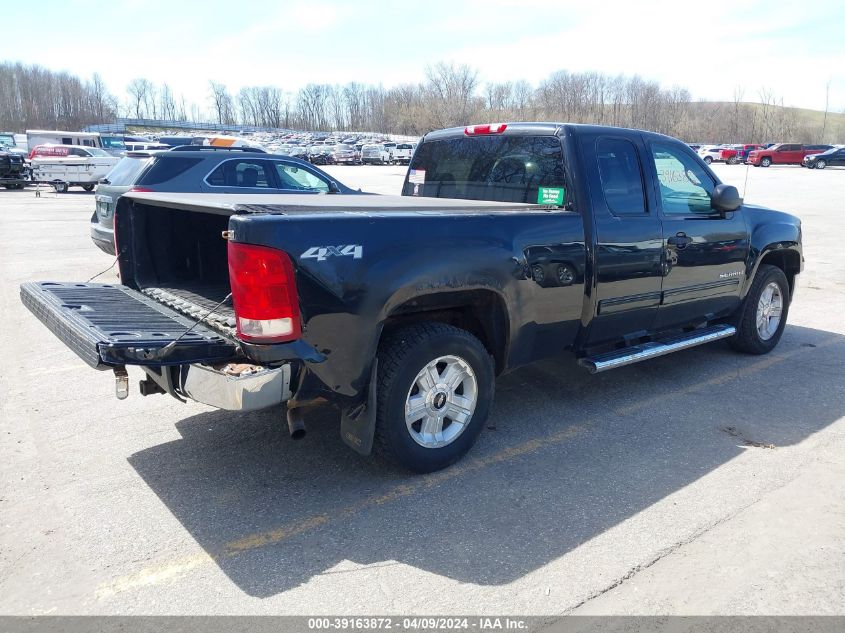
(321, 253)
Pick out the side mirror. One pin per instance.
(725, 198)
(333, 188)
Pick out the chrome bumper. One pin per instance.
(250, 391)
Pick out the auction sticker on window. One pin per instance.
(550, 195)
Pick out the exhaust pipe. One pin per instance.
(296, 425)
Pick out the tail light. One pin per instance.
(264, 294)
(490, 128)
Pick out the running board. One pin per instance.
(645, 351)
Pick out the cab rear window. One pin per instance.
(497, 168)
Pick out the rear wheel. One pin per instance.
(762, 317)
(435, 388)
(733, 160)
(821, 164)
(765, 162)
(88, 187)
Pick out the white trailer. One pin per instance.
(70, 166)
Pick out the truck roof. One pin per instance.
(536, 128)
(287, 204)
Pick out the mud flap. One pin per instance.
(358, 423)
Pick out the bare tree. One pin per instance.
(138, 90)
(223, 104)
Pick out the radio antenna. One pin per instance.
(745, 184)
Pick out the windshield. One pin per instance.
(497, 168)
(7, 139)
(112, 142)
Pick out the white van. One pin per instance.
(110, 143)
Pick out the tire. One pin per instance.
(733, 160)
(61, 187)
(748, 338)
(765, 162)
(403, 359)
(708, 160)
(88, 187)
(821, 164)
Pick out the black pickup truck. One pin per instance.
(14, 174)
(511, 243)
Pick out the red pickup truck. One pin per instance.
(736, 154)
(784, 154)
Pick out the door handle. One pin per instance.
(679, 241)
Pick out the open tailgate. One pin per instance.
(111, 324)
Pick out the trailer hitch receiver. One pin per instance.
(121, 382)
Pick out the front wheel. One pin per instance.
(733, 160)
(766, 162)
(821, 164)
(435, 388)
(762, 317)
(88, 187)
(708, 160)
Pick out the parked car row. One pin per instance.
(765, 155)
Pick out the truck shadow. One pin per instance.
(566, 456)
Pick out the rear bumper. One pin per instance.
(252, 390)
(102, 236)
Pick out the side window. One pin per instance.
(685, 186)
(250, 174)
(295, 177)
(621, 176)
(76, 151)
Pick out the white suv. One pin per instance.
(376, 154)
(710, 153)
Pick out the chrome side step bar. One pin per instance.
(645, 351)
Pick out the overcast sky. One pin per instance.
(708, 46)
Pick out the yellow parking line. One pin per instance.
(170, 570)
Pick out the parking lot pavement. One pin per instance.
(701, 482)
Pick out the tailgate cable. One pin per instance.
(164, 351)
(105, 271)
